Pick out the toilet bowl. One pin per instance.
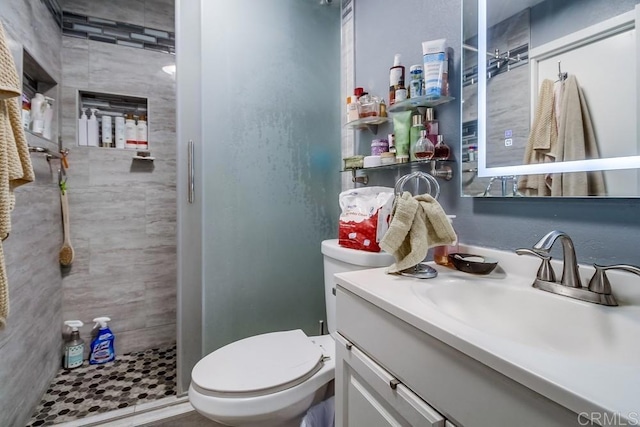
(272, 379)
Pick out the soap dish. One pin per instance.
(470, 263)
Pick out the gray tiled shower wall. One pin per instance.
(31, 341)
(122, 213)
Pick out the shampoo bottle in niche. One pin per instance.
(130, 132)
(142, 133)
(107, 130)
(37, 113)
(82, 128)
(74, 346)
(47, 130)
(120, 132)
(92, 129)
(102, 346)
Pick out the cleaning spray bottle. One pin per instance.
(74, 347)
(102, 346)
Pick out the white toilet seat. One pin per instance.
(258, 365)
(289, 402)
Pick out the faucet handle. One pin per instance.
(599, 283)
(545, 272)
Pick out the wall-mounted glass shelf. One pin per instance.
(370, 123)
(438, 168)
(419, 101)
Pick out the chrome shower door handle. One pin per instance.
(191, 172)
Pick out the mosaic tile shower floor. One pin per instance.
(131, 379)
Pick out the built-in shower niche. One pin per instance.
(113, 105)
(36, 79)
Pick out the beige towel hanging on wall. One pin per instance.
(15, 163)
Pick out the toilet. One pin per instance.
(272, 379)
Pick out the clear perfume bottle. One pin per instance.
(423, 149)
(441, 150)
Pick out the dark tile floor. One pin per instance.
(131, 379)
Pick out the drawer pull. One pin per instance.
(333, 291)
(394, 384)
(348, 345)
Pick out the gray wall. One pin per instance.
(30, 345)
(603, 230)
(123, 212)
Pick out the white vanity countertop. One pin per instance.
(581, 384)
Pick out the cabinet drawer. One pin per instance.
(375, 396)
(460, 388)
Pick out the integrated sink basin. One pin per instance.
(541, 320)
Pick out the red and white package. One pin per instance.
(365, 217)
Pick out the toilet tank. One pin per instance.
(338, 260)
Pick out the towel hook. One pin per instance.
(432, 183)
(561, 76)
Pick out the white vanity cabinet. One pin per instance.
(390, 373)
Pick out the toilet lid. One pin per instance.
(259, 365)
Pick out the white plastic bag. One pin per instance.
(365, 217)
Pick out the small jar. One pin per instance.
(441, 253)
(379, 146)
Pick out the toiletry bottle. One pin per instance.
(383, 109)
(431, 125)
(82, 128)
(417, 126)
(37, 113)
(441, 253)
(74, 347)
(107, 130)
(130, 132)
(92, 129)
(141, 132)
(102, 346)
(423, 148)
(47, 131)
(396, 78)
(352, 109)
(119, 132)
(441, 151)
(26, 111)
(417, 81)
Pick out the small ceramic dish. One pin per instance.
(470, 263)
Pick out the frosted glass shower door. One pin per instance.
(268, 160)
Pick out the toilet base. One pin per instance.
(289, 417)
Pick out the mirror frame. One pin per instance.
(614, 163)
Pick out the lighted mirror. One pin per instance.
(549, 98)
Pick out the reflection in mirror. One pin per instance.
(549, 98)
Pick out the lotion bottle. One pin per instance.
(92, 129)
(82, 128)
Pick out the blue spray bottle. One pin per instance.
(102, 346)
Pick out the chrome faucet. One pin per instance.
(599, 289)
(570, 275)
